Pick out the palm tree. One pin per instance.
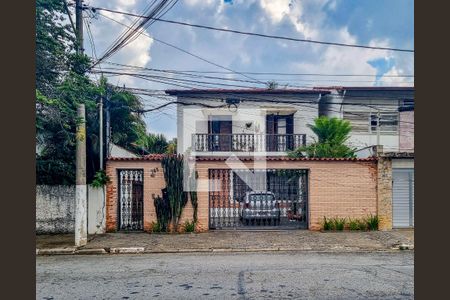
(332, 133)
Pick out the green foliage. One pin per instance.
(372, 222)
(327, 224)
(339, 223)
(61, 84)
(189, 226)
(193, 193)
(155, 227)
(362, 224)
(332, 134)
(173, 167)
(172, 147)
(353, 224)
(162, 213)
(154, 143)
(100, 179)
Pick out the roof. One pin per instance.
(247, 91)
(158, 157)
(368, 88)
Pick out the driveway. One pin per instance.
(289, 275)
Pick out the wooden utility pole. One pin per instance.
(79, 25)
(81, 187)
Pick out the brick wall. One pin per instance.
(153, 183)
(336, 189)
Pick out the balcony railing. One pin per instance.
(247, 142)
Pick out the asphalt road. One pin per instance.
(299, 275)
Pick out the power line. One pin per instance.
(258, 73)
(187, 52)
(257, 34)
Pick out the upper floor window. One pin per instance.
(367, 122)
(388, 122)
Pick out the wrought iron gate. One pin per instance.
(131, 199)
(258, 198)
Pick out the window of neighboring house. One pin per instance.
(365, 122)
(358, 120)
(407, 103)
(388, 122)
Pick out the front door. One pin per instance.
(131, 200)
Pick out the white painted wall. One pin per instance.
(194, 119)
(117, 151)
(55, 209)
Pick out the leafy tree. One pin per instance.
(62, 84)
(172, 147)
(332, 133)
(54, 43)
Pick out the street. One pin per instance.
(289, 275)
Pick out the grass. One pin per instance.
(339, 223)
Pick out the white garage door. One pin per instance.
(403, 198)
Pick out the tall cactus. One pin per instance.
(173, 175)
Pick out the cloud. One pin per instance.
(327, 20)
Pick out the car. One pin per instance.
(260, 207)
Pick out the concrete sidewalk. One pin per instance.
(229, 241)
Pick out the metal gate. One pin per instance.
(274, 198)
(403, 198)
(131, 200)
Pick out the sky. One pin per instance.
(384, 23)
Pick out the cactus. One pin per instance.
(173, 175)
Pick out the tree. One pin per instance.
(62, 84)
(332, 133)
(172, 146)
(156, 143)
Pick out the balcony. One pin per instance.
(246, 142)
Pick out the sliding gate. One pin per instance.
(274, 198)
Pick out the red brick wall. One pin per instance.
(336, 189)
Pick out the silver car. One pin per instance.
(259, 206)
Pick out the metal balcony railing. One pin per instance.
(247, 142)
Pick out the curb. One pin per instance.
(142, 250)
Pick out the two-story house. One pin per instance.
(272, 122)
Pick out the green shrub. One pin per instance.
(372, 222)
(189, 226)
(156, 227)
(339, 223)
(327, 224)
(100, 179)
(362, 224)
(353, 224)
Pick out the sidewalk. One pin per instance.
(228, 241)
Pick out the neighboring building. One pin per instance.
(368, 107)
(406, 131)
(117, 151)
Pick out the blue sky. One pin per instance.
(388, 23)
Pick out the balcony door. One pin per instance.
(279, 130)
(219, 133)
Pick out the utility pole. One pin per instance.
(79, 25)
(81, 187)
(108, 126)
(100, 130)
